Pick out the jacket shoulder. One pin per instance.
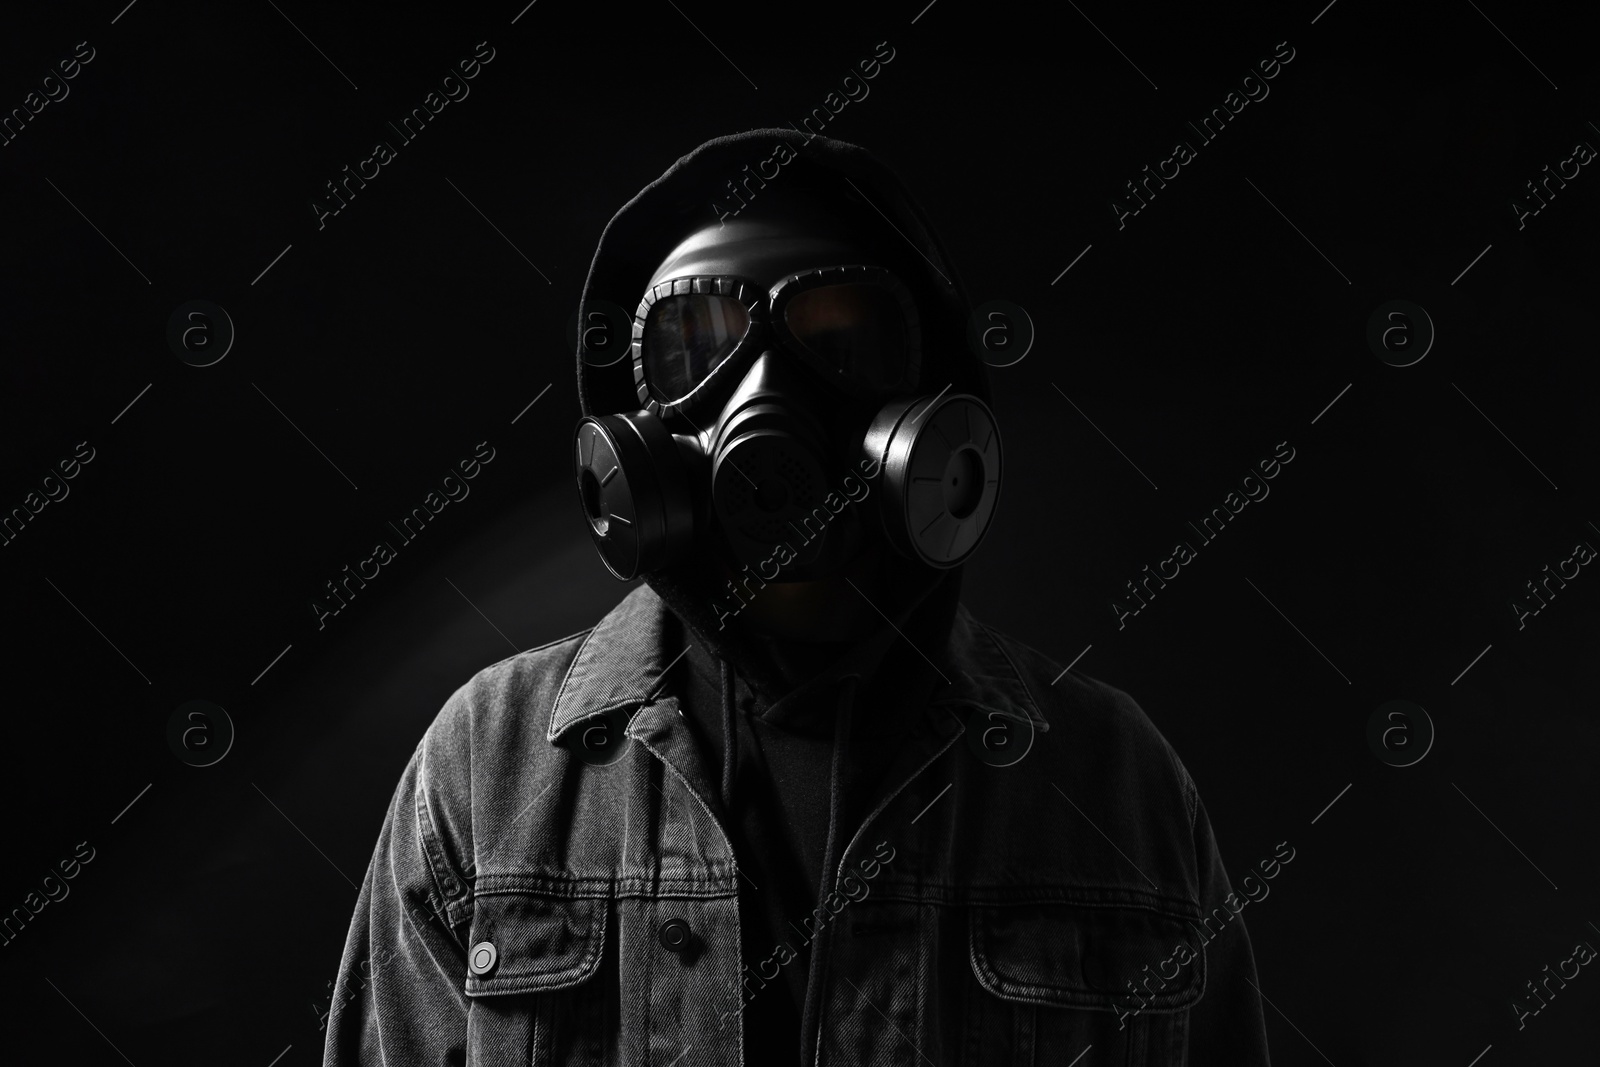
(1095, 720)
(502, 699)
(1121, 804)
(487, 745)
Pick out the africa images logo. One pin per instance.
(1183, 953)
(1251, 487)
(455, 89)
(409, 528)
(854, 89)
(783, 553)
(852, 887)
(1250, 88)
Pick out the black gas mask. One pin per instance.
(787, 415)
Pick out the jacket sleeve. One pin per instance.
(399, 997)
(1226, 1026)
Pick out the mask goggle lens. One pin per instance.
(859, 331)
(853, 328)
(686, 337)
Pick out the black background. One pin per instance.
(1196, 338)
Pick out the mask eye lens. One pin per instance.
(854, 328)
(686, 337)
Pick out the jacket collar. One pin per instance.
(623, 662)
(620, 665)
(984, 675)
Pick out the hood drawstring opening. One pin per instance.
(842, 723)
(728, 742)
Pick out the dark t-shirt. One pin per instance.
(787, 794)
(777, 815)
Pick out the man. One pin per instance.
(789, 802)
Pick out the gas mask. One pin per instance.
(786, 415)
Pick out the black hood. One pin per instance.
(693, 193)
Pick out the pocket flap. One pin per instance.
(534, 943)
(1086, 957)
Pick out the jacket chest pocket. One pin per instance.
(1056, 982)
(536, 982)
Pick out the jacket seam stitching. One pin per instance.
(432, 849)
(579, 971)
(540, 648)
(1012, 666)
(1034, 993)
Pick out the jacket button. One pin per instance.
(674, 935)
(482, 959)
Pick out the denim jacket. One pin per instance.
(1035, 881)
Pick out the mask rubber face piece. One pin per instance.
(770, 480)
